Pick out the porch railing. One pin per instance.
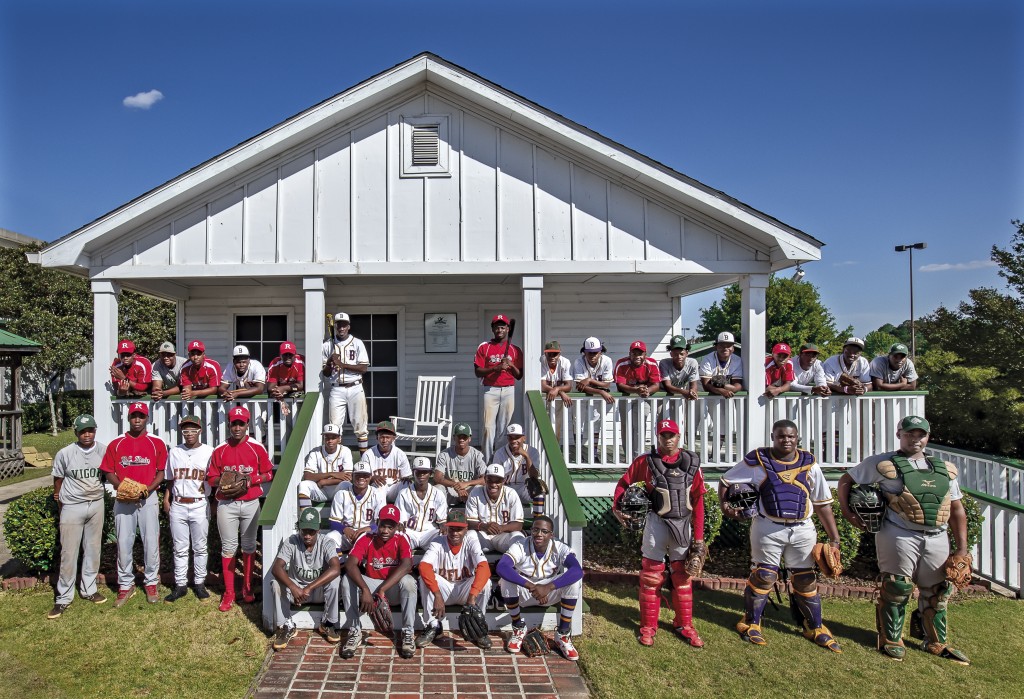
(10, 430)
(997, 555)
(993, 475)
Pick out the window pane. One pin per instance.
(361, 326)
(385, 327)
(385, 383)
(382, 409)
(384, 354)
(275, 328)
(247, 328)
(368, 384)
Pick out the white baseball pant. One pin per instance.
(452, 593)
(145, 517)
(237, 519)
(189, 521)
(774, 542)
(499, 406)
(350, 403)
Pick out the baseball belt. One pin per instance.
(188, 501)
(349, 384)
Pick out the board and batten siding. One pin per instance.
(342, 198)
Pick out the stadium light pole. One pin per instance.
(913, 334)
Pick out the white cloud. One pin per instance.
(143, 100)
(844, 263)
(957, 267)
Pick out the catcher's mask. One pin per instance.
(742, 497)
(635, 505)
(867, 502)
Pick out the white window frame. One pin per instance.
(287, 311)
(407, 125)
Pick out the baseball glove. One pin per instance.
(827, 558)
(472, 623)
(381, 616)
(694, 563)
(131, 490)
(535, 487)
(535, 643)
(958, 570)
(848, 380)
(233, 484)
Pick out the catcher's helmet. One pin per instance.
(635, 505)
(867, 502)
(742, 497)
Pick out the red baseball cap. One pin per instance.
(238, 413)
(668, 426)
(196, 345)
(287, 348)
(638, 345)
(389, 513)
(138, 407)
(500, 318)
(125, 346)
(782, 348)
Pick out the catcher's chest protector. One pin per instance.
(786, 489)
(672, 484)
(925, 496)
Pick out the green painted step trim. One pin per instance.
(559, 473)
(289, 460)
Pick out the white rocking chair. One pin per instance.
(432, 424)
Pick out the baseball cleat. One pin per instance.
(896, 651)
(283, 635)
(690, 635)
(750, 632)
(330, 633)
(124, 595)
(428, 635)
(515, 641)
(57, 610)
(176, 594)
(200, 591)
(152, 596)
(96, 598)
(226, 601)
(564, 644)
(247, 595)
(407, 649)
(646, 636)
(353, 641)
(947, 652)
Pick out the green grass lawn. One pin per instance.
(986, 628)
(187, 649)
(44, 441)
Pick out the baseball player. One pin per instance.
(494, 511)
(498, 364)
(424, 507)
(848, 373)
(345, 360)
(389, 464)
(201, 375)
(286, 375)
(245, 377)
(555, 374)
(327, 467)
(142, 457)
(778, 370)
(675, 483)
(792, 487)
(721, 372)
(635, 375)
(809, 377)
(894, 372)
(453, 571)
(130, 373)
(679, 372)
(594, 375)
(924, 501)
(237, 517)
(167, 372)
(354, 508)
(460, 466)
(186, 507)
(78, 490)
(379, 566)
(540, 570)
(519, 460)
(306, 570)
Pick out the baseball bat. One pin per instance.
(508, 338)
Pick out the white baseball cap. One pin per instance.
(240, 351)
(362, 467)
(421, 463)
(331, 428)
(166, 347)
(726, 337)
(341, 316)
(854, 341)
(592, 344)
(495, 470)
(514, 430)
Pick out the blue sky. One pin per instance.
(866, 124)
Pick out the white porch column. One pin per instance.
(104, 342)
(753, 305)
(315, 316)
(532, 341)
(677, 315)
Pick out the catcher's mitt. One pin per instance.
(827, 558)
(958, 570)
(381, 616)
(535, 487)
(131, 490)
(233, 484)
(694, 563)
(848, 380)
(472, 623)
(535, 643)
(718, 381)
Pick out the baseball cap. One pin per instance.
(500, 318)
(668, 426)
(362, 467)
(726, 337)
(457, 518)
(386, 426)
(553, 347)
(240, 351)
(421, 463)
(339, 317)
(190, 420)
(808, 347)
(495, 470)
(331, 428)
(678, 342)
(309, 518)
(125, 346)
(463, 428)
(286, 348)
(592, 344)
(913, 422)
(84, 422)
(238, 413)
(854, 341)
(514, 430)
(782, 348)
(167, 347)
(638, 345)
(389, 513)
(138, 407)
(196, 345)
(899, 348)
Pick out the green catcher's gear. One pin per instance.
(924, 499)
(934, 623)
(890, 613)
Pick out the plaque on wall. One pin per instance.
(439, 334)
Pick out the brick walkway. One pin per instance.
(310, 668)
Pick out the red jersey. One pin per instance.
(279, 373)
(246, 457)
(202, 376)
(490, 353)
(138, 458)
(645, 374)
(773, 372)
(140, 373)
(639, 471)
(377, 562)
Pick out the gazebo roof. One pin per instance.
(16, 344)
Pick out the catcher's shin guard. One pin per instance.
(227, 566)
(652, 576)
(759, 585)
(682, 604)
(247, 560)
(808, 601)
(932, 606)
(890, 613)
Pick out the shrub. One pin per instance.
(36, 416)
(712, 523)
(974, 521)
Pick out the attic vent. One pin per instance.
(425, 146)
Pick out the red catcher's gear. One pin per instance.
(682, 603)
(652, 576)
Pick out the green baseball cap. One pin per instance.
(899, 348)
(808, 347)
(386, 426)
(190, 420)
(678, 342)
(463, 428)
(913, 422)
(84, 422)
(309, 518)
(553, 347)
(457, 518)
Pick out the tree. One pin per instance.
(878, 342)
(901, 333)
(795, 315)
